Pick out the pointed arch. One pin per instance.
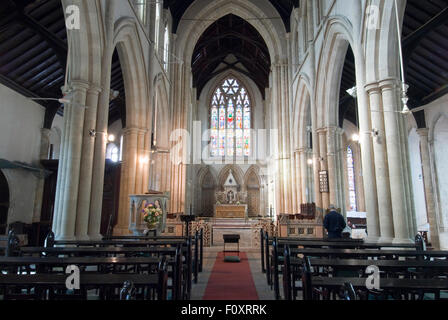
(205, 12)
(338, 37)
(130, 51)
(237, 173)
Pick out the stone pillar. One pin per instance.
(367, 158)
(127, 180)
(340, 174)
(102, 117)
(397, 168)
(429, 192)
(323, 164)
(85, 179)
(303, 154)
(381, 167)
(332, 166)
(298, 181)
(71, 172)
(43, 154)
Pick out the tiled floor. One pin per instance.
(263, 290)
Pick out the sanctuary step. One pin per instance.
(243, 227)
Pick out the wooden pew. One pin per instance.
(196, 263)
(274, 259)
(198, 246)
(102, 264)
(293, 264)
(49, 286)
(392, 287)
(318, 284)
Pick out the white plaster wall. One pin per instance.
(56, 134)
(417, 181)
(21, 121)
(436, 114)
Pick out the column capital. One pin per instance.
(303, 150)
(45, 131)
(389, 84)
(321, 131)
(423, 132)
(372, 87)
(79, 84)
(332, 130)
(95, 89)
(134, 130)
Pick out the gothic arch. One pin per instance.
(302, 112)
(86, 44)
(206, 197)
(252, 183)
(338, 37)
(162, 112)
(237, 173)
(206, 12)
(128, 43)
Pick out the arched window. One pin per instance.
(351, 179)
(113, 152)
(230, 120)
(166, 42)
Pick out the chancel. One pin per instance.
(136, 142)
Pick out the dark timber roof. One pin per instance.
(425, 53)
(33, 53)
(233, 36)
(178, 8)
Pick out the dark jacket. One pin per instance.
(334, 223)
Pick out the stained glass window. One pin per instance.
(230, 120)
(351, 179)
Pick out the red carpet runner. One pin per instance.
(231, 281)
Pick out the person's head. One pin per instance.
(331, 207)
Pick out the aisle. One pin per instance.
(231, 281)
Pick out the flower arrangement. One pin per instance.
(151, 215)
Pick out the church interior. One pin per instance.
(194, 149)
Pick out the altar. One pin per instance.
(231, 211)
(231, 202)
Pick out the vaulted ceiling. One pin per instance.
(33, 51)
(425, 54)
(231, 43)
(33, 54)
(178, 8)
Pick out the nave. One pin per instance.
(180, 268)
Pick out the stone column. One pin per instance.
(72, 157)
(85, 179)
(128, 176)
(323, 164)
(367, 158)
(400, 209)
(332, 166)
(340, 174)
(381, 167)
(61, 176)
(102, 117)
(429, 192)
(303, 154)
(43, 154)
(298, 181)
